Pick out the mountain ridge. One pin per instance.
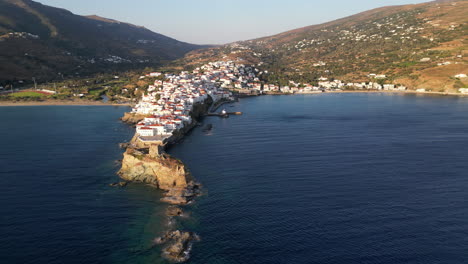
(45, 42)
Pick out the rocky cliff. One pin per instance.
(159, 169)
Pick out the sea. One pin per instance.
(325, 178)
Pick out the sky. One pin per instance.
(222, 21)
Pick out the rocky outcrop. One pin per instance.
(132, 118)
(161, 170)
(177, 244)
(118, 184)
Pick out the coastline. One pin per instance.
(368, 91)
(100, 103)
(403, 92)
(60, 102)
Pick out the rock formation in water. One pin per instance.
(177, 244)
(161, 170)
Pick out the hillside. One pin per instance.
(421, 45)
(45, 42)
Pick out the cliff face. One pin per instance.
(162, 170)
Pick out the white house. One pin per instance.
(388, 86)
(158, 129)
(463, 90)
(155, 74)
(145, 131)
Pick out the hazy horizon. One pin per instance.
(215, 22)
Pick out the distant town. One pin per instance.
(169, 101)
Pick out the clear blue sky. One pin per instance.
(222, 21)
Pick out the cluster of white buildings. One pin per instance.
(20, 35)
(324, 84)
(168, 103)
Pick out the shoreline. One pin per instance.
(60, 103)
(403, 92)
(364, 91)
(99, 103)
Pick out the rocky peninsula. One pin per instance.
(166, 112)
(148, 162)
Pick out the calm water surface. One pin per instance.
(336, 178)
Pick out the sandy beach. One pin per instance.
(392, 92)
(59, 102)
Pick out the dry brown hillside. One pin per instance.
(421, 45)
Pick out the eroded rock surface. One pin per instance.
(161, 170)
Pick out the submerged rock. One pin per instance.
(179, 244)
(174, 211)
(207, 128)
(119, 184)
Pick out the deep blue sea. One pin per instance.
(329, 178)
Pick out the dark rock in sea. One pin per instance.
(179, 244)
(119, 184)
(208, 127)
